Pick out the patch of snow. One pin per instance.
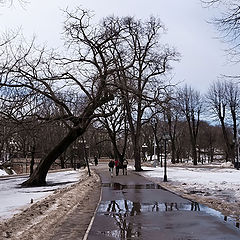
(218, 182)
(14, 198)
(226, 164)
(3, 173)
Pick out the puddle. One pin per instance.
(120, 209)
(129, 207)
(118, 186)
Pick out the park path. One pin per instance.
(133, 207)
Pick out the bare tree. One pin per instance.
(190, 103)
(228, 23)
(143, 84)
(117, 127)
(218, 103)
(86, 70)
(171, 113)
(233, 101)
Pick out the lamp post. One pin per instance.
(85, 150)
(165, 138)
(161, 146)
(154, 126)
(87, 162)
(154, 151)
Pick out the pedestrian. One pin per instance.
(96, 161)
(117, 165)
(124, 166)
(111, 166)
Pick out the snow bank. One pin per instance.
(3, 173)
(217, 182)
(14, 198)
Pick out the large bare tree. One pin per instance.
(85, 71)
(142, 86)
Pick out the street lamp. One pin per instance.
(154, 152)
(85, 150)
(86, 154)
(161, 146)
(166, 137)
(154, 124)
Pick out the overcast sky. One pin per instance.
(203, 58)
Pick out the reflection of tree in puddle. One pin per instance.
(127, 229)
(195, 206)
(123, 212)
(171, 206)
(234, 219)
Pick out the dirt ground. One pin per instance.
(49, 216)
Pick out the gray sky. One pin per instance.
(203, 58)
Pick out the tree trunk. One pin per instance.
(173, 148)
(38, 178)
(32, 162)
(194, 155)
(137, 157)
(230, 150)
(62, 161)
(137, 150)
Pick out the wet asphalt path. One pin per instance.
(135, 208)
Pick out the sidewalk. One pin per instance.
(135, 208)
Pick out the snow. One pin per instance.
(217, 181)
(3, 173)
(14, 198)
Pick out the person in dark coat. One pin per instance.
(111, 166)
(124, 166)
(96, 161)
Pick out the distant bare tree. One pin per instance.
(117, 127)
(190, 104)
(233, 101)
(218, 103)
(171, 111)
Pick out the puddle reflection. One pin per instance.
(136, 208)
(122, 211)
(119, 211)
(118, 186)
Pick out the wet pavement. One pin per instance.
(134, 208)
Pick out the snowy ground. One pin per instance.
(14, 198)
(3, 173)
(216, 186)
(52, 204)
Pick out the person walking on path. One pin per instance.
(117, 165)
(111, 166)
(124, 166)
(96, 161)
